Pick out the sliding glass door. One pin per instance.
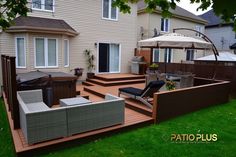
(109, 58)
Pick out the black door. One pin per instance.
(103, 61)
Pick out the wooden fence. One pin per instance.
(10, 87)
(227, 73)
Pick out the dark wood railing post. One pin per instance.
(3, 72)
(7, 82)
(13, 90)
(154, 109)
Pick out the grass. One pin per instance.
(155, 140)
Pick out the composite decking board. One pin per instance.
(132, 118)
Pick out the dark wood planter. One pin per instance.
(90, 75)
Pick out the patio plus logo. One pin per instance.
(193, 138)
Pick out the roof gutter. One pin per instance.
(18, 29)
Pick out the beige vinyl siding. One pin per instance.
(86, 18)
(151, 21)
(143, 21)
(7, 47)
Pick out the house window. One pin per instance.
(46, 53)
(190, 55)
(156, 55)
(199, 29)
(20, 52)
(165, 25)
(66, 53)
(109, 12)
(46, 5)
(168, 55)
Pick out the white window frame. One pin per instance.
(199, 29)
(109, 12)
(43, 6)
(192, 55)
(168, 21)
(17, 66)
(153, 55)
(68, 52)
(168, 51)
(97, 65)
(45, 52)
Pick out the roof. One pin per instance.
(38, 24)
(212, 19)
(223, 57)
(177, 12)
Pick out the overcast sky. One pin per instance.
(191, 7)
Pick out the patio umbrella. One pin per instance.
(175, 40)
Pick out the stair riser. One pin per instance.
(115, 84)
(118, 79)
(138, 109)
(87, 84)
(93, 92)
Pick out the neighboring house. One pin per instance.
(152, 24)
(221, 33)
(56, 32)
(224, 58)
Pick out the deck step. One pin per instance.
(138, 107)
(86, 83)
(94, 92)
(114, 83)
(119, 77)
(129, 103)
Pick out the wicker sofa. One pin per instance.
(40, 123)
(92, 116)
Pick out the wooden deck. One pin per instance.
(133, 118)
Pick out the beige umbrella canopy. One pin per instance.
(175, 40)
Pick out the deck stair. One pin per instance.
(114, 80)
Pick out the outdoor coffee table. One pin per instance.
(74, 101)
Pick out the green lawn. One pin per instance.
(154, 140)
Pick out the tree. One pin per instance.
(9, 9)
(223, 8)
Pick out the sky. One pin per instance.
(191, 7)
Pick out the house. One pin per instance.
(221, 33)
(55, 34)
(224, 58)
(153, 24)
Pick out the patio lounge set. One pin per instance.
(181, 79)
(40, 123)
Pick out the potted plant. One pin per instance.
(170, 85)
(78, 72)
(153, 67)
(90, 63)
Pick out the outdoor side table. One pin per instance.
(74, 101)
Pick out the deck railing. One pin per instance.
(174, 103)
(10, 87)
